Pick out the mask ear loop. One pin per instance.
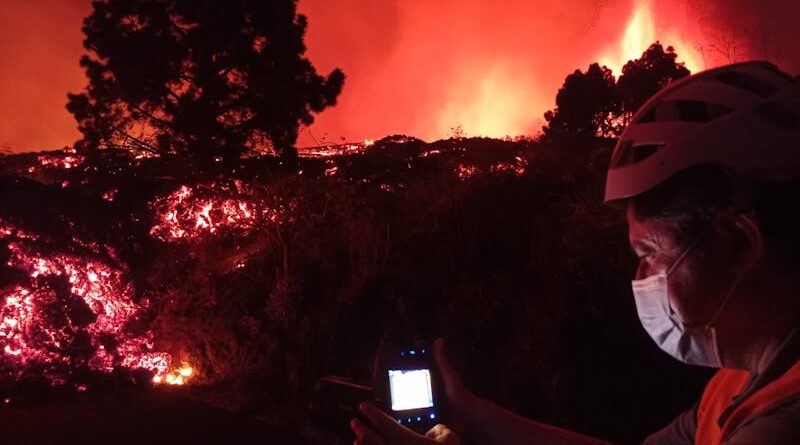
(739, 277)
(689, 248)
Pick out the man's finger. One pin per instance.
(365, 435)
(437, 431)
(442, 434)
(386, 425)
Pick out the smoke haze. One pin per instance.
(417, 67)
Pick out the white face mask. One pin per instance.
(689, 344)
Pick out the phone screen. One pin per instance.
(410, 389)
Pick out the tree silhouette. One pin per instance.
(595, 104)
(643, 77)
(584, 104)
(199, 77)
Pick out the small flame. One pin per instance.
(179, 376)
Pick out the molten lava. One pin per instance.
(191, 213)
(68, 311)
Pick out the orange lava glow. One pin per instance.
(417, 67)
(178, 376)
(640, 33)
(31, 335)
(191, 213)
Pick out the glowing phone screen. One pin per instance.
(410, 389)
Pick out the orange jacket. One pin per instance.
(727, 384)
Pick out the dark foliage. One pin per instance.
(594, 103)
(585, 104)
(643, 77)
(198, 77)
(526, 275)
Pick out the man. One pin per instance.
(709, 174)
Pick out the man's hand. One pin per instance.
(384, 430)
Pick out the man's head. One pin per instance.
(709, 173)
(752, 230)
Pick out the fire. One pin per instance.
(179, 376)
(640, 33)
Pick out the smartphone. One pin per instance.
(335, 401)
(410, 385)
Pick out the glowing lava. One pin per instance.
(65, 159)
(70, 312)
(211, 209)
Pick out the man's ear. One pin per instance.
(741, 232)
(746, 222)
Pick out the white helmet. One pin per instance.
(745, 116)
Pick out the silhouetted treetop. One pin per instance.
(594, 103)
(584, 103)
(198, 77)
(643, 77)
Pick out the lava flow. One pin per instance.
(190, 213)
(68, 312)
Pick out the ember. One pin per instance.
(324, 151)
(465, 172)
(518, 167)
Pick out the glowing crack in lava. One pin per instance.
(188, 214)
(70, 312)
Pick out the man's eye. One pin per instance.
(647, 257)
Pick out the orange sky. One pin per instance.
(416, 67)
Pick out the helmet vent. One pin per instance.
(684, 111)
(629, 154)
(692, 111)
(777, 115)
(748, 83)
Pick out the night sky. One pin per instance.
(417, 67)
